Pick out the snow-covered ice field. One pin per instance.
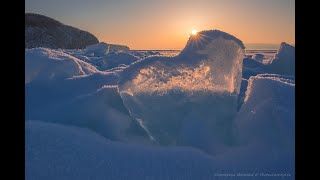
(265, 58)
(210, 111)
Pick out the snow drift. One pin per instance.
(56, 151)
(90, 101)
(64, 152)
(189, 99)
(63, 89)
(45, 64)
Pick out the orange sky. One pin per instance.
(166, 24)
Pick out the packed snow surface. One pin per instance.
(55, 151)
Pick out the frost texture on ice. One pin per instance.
(211, 61)
(189, 99)
(45, 64)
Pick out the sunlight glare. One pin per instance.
(194, 32)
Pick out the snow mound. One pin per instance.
(64, 152)
(45, 64)
(55, 151)
(284, 61)
(189, 99)
(90, 101)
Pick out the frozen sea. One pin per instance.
(207, 112)
(268, 53)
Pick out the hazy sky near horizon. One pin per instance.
(166, 24)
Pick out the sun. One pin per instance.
(194, 32)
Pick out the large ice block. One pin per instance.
(189, 99)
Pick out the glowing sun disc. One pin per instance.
(194, 32)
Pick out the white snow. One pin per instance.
(86, 101)
(56, 151)
(44, 64)
(62, 152)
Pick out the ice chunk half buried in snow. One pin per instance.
(189, 99)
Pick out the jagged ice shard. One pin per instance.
(190, 99)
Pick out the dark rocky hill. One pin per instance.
(42, 31)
